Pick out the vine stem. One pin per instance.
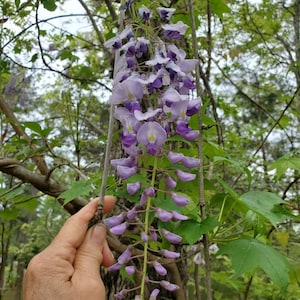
(200, 169)
(110, 127)
(147, 230)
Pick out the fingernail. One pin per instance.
(99, 232)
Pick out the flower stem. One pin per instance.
(147, 225)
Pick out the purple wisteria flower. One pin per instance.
(119, 229)
(174, 31)
(153, 97)
(169, 254)
(171, 237)
(185, 176)
(179, 199)
(132, 188)
(169, 286)
(165, 13)
(152, 135)
(145, 13)
(154, 294)
(159, 268)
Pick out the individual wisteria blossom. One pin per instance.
(175, 31)
(165, 13)
(154, 294)
(153, 98)
(169, 286)
(159, 268)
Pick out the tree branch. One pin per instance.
(44, 184)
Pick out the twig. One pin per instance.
(200, 154)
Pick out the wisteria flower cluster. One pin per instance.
(152, 92)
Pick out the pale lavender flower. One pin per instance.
(126, 172)
(178, 217)
(170, 182)
(186, 132)
(153, 234)
(114, 220)
(185, 176)
(165, 13)
(179, 199)
(159, 268)
(174, 31)
(164, 215)
(188, 65)
(131, 214)
(125, 256)
(169, 254)
(133, 187)
(117, 40)
(115, 267)
(145, 13)
(169, 286)
(144, 237)
(198, 260)
(140, 116)
(151, 135)
(154, 294)
(128, 90)
(175, 157)
(141, 47)
(130, 270)
(119, 229)
(190, 162)
(126, 162)
(171, 237)
(121, 295)
(193, 107)
(157, 60)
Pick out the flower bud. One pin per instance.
(171, 237)
(169, 286)
(159, 268)
(185, 176)
(119, 229)
(169, 254)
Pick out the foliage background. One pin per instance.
(55, 82)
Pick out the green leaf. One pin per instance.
(78, 188)
(264, 204)
(248, 255)
(9, 214)
(17, 3)
(283, 164)
(192, 230)
(34, 126)
(49, 4)
(219, 7)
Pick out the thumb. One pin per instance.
(89, 255)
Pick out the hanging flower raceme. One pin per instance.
(153, 99)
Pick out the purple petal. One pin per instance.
(121, 295)
(131, 214)
(165, 13)
(153, 235)
(115, 267)
(151, 133)
(132, 188)
(164, 215)
(144, 237)
(190, 162)
(126, 172)
(179, 199)
(159, 268)
(175, 157)
(114, 221)
(193, 107)
(125, 256)
(171, 237)
(150, 192)
(126, 162)
(169, 254)
(147, 115)
(179, 217)
(188, 65)
(154, 294)
(169, 286)
(130, 270)
(170, 182)
(144, 12)
(185, 176)
(119, 229)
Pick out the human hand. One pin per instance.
(68, 268)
